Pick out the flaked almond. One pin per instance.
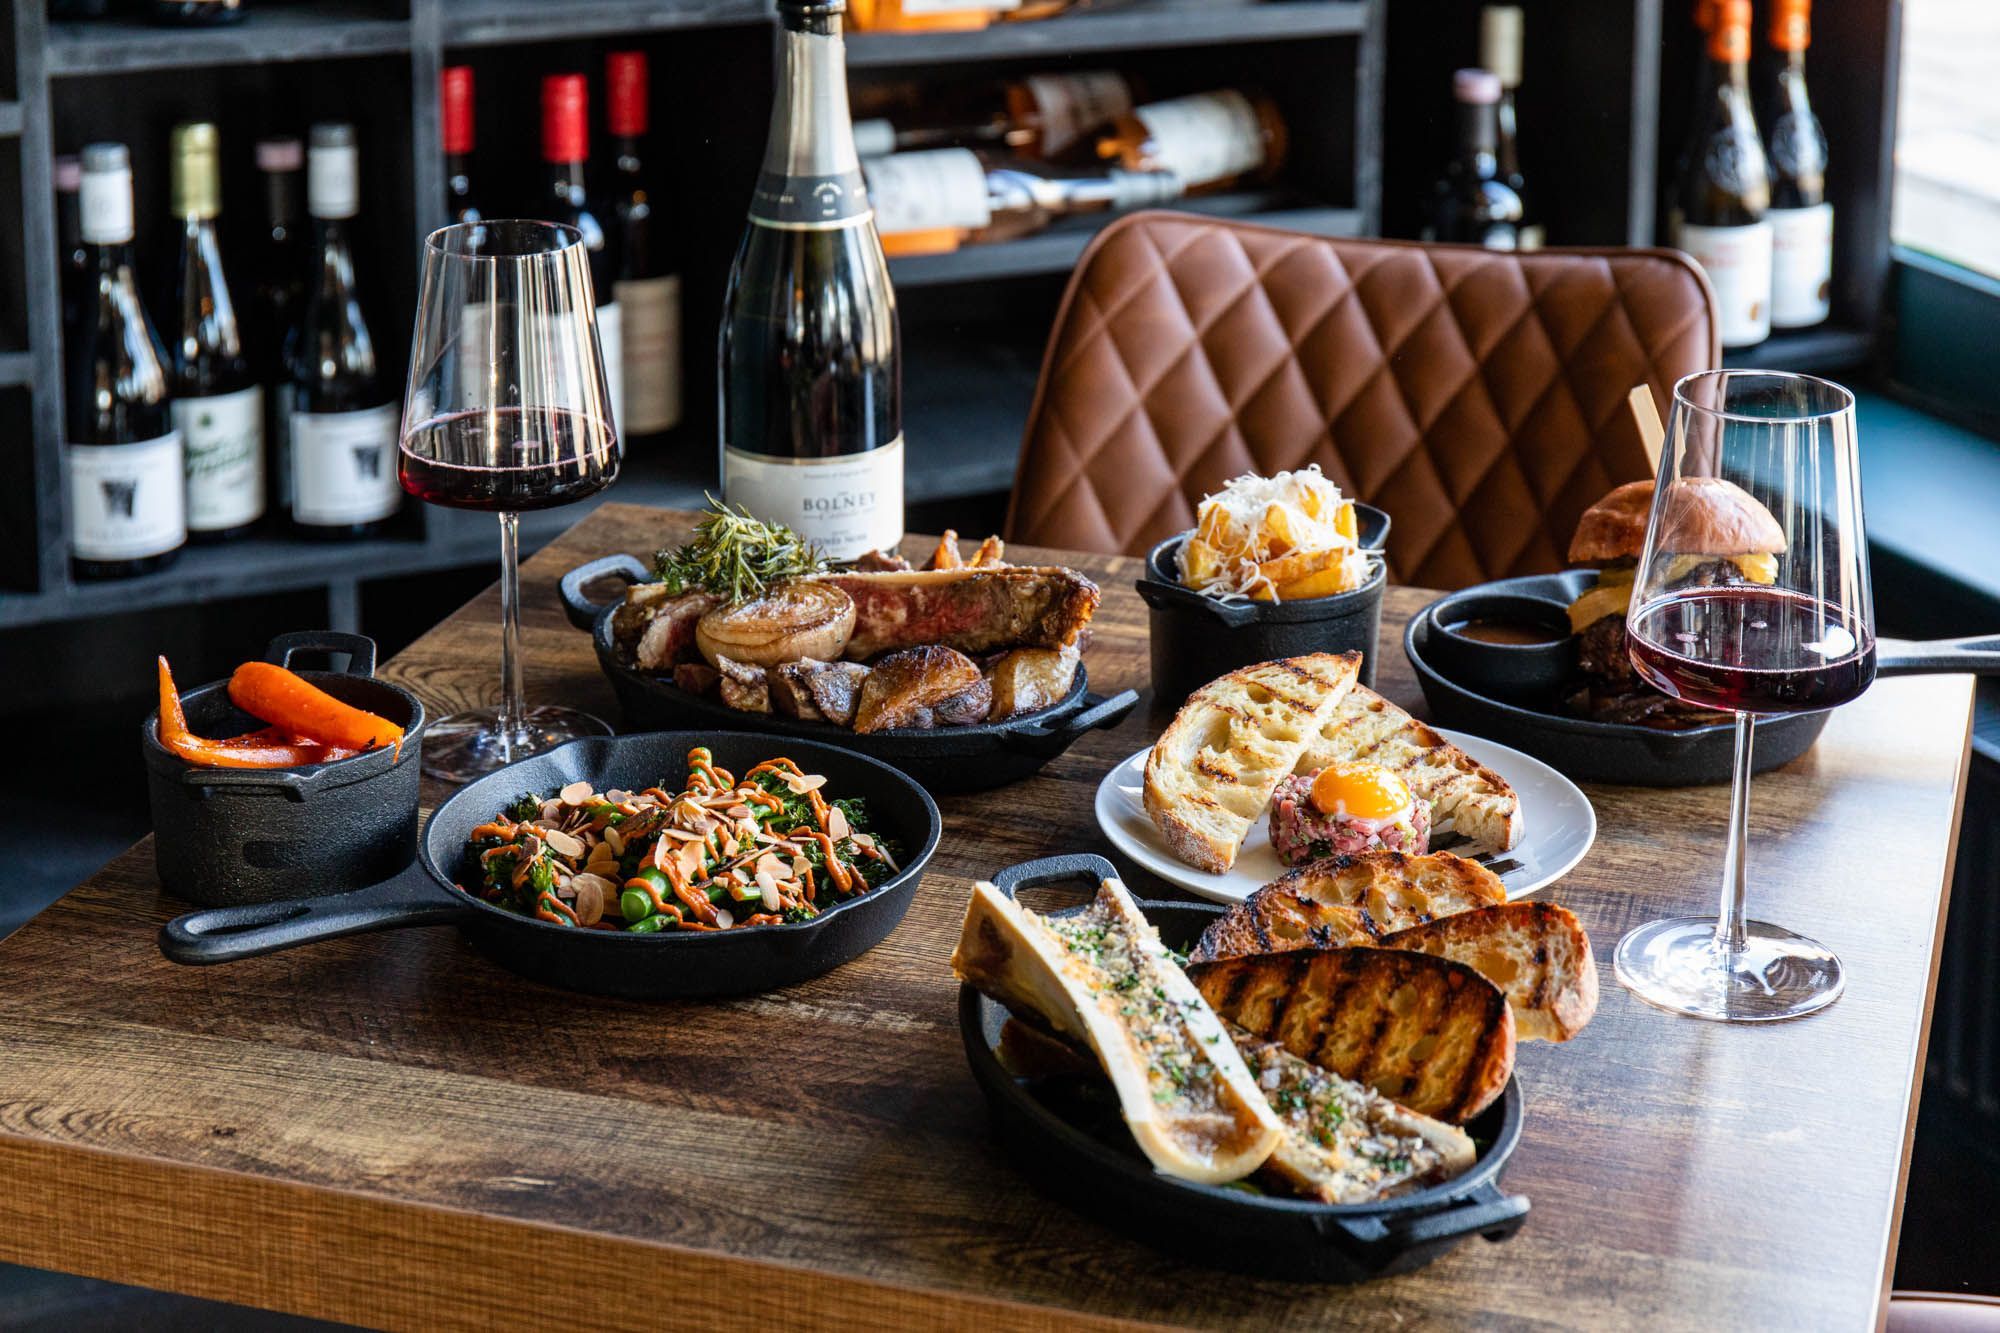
(767, 884)
(575, 794)
(593, 892)
(552, 808)
(861, 839)
(691, 858)
(836, 823)
(800, 866)
(811, 782)
(618, 796)
(562, 843)
(614, 840)
(724, 917)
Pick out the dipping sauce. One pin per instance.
(1519, 633)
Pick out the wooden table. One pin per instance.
(390, 1131)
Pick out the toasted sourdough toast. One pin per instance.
(1101, 977)
(1424, 1031)
(1346, 900)
(1212, 771)
(1536, 953)
(1466, 797)
(1345, 1142)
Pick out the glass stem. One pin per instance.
(1736, 865)
(513, 694)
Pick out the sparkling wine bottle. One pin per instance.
(649, 286)
(811, 362)
(1724, 190)
(1801, 217)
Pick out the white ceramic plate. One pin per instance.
(1558, 824)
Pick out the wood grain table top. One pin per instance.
(391, 1131)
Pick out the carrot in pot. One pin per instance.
(259, 749)
(286, 700)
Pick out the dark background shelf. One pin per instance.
(321, 31)
(1115, 28)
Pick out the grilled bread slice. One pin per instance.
(1344, 1142)
(1536, 953)
(1424, 1031)
(1101, 977)
(1212, 772)
(1350, 900)
(1466, 797)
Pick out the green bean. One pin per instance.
(648, 926)
(635, 906)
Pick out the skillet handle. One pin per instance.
(225, 934)
(1979, 654)
(1374, 1240)
(1054, 870)
(1170, 597)
(360, 649)
(577, 605)
(1049, 739)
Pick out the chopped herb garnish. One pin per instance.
(736, 557)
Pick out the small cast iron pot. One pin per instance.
(1515, 672)
(1196, 638)
(249, 835)
(1082, 1154)
(943, 759)
(666, 965)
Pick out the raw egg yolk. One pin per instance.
(1360, 790)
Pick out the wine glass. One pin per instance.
(1751, 596)
(506, 409)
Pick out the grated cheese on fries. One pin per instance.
(1275, 539)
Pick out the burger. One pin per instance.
(1715, 534)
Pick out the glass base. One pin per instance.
(1674, 964)
(470, 745)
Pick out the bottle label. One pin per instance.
(651, 311)
(1738, 263)
(944, 188)
(344, 466)
(1207, 137)
(333, 181)
(808, 203)
(846, 506)
(611, 347)
(224, 441)
(1801, 265)
(126, 501)
(1072, 105)
(104, 203)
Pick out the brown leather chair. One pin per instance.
(1478, 397)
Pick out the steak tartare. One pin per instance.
(1302, 831)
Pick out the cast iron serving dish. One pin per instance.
(1078, 1149)
(664, 965)
(943, 759)
(1592, 751)
(247, 835)
(1196, 638)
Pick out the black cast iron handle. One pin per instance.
(360, 649)
(1049, 739)
(583, 612)
(1979, 655)
(225, 934)
(1054, 870)
(1375, 1239)
(1168, 596)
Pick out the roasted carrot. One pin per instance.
(259, 749)
(295, 704)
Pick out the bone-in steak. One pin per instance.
(971, 610)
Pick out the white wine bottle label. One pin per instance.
(1738, 263)
(1206, 137)
(943, 188)
(650, 309)
(1072, 105)
(611, 347)
(1801, 266)
(126, 501)
(344, 466)
(223, 436)
(846, 506)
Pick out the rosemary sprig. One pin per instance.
(735, 556)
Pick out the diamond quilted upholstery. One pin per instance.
(1477, 397)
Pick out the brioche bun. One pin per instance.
(1615, 527)
(1705, 516)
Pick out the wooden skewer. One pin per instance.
(1652, 435)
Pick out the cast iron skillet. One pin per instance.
(1590, 751)
(1080, 1152)
(665, 965)
(945, 759)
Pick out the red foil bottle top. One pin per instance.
(455, 92)
(625, 72)
(565, 118)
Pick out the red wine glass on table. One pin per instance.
(1752, 598)
(507, 410)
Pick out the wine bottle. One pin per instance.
(455, 111)
(648, 287)
(73, 259)
(196, 13)
(1473, 205)
(278, 295)
(565, 149)
(1801, 217)
(1500, 33)
(1041, 116)
(122, 461)
(1210, 140)
(934, 201)
(811, 356)
(342, 424)
(1724, 190)
(218, 405)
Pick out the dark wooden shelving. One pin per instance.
(1814, 351)
(12, 118)
(497, 22)
(1125, 27)
(321, 31)
(16, 369)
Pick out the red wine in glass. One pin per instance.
(509, 459)
(1751, 649)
